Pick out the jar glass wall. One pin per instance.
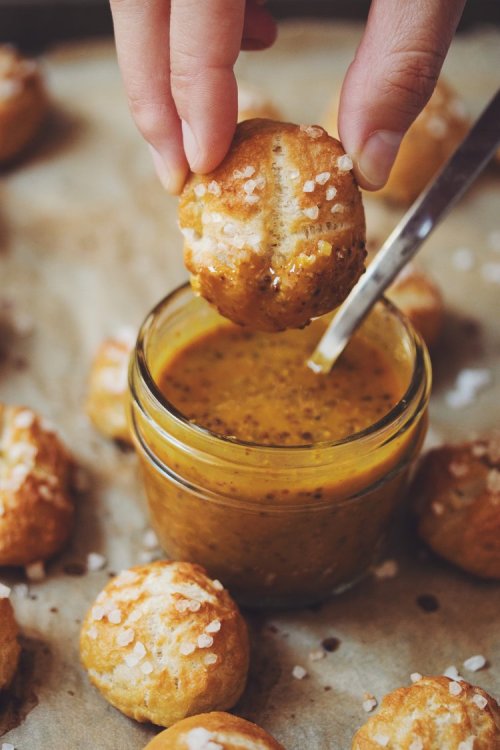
(279, 526)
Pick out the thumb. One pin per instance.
(391, 79)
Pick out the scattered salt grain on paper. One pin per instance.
(150, 540)
(35, 571)
(299, 672)
(369, 703)
(95, 561)
(415, 677)
(467, 385)
(387, 569)
(463, 259)
(475, 663)
(452, 673)
(491, 272)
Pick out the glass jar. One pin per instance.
(279, 526)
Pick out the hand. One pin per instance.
(177, 58)
(391, 78)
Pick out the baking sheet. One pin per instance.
(88, 243)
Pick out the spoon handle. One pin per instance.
(416, 225)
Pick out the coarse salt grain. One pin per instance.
(4, 591)
(455, 688)
(436, 126)
(312, 131)
(134, 616)
(493, 481)
(415, 677)
(312, 212)
(331, 192)
(201, 739)
(24, 419)
(115, 617)
(146, 667)
(479, 700)
(437, 508)
(251, 199)
(35, 571)
(187, 648)
(467, 385)
(95, 561)
(299, 672)
(92, 632)
(467, 744)
(149, 539)
(125, 577)
(463, 259)
(210, 659)
(214, 188)
(249, 186)
(369, 703)
(194, 606)
(217, 585)
(213, 627)
(322, 177)
(205, 641)
(200, 190)
(125, 637)
(387, 569)
(294, 174)
(344, 163)
(309, 186)
(475, 663)
(458, 470)
(417, 744)
(452, 673)
(242, 173)
(317, 655)
(337, 208)
(382, 739)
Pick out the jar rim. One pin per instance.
(420, 367)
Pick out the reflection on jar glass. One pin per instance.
(278, 525)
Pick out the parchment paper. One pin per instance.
(88, 243)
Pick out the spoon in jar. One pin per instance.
(416, 225)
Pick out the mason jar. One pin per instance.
(279, 526)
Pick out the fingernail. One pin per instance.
(172, 180)
(191, 147)
(377, 156)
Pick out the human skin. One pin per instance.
(177, 58)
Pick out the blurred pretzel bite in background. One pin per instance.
(457, 501)
(23, 102)
(252, 102)
(214, 731)
(108, 386)
(36, 511)
(9, 646)
(419, 298)
(163, 641)
(276, 234)
(430, 141)
(435, 713)
(428, 144)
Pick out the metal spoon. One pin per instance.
(416, 225)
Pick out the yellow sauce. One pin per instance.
(257, 387)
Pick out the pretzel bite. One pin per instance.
(435, 713)
(9, 646)
(457, 500)
(108, 386)
(428, 144)
(252, 102)
(163, 641)
(276, 234)
(23, 102)
(418, 297)
(36, 512)
(214, 731)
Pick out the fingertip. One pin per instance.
(374, 161)
(172, 174)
